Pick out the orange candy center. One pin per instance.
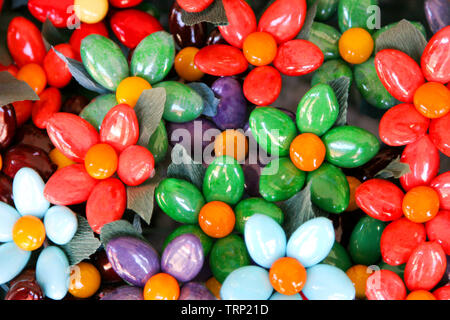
(307, 152)
(260, 48)
(287, 276)
(161, 286)
(421, 204)
(432, 100)
(101, 161)
(216, 219)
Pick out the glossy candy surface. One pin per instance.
(262, 86)
(13, 260)
(216, 219)
(221, 60)
(442, 185)
(287, 276)
(356, 45)
(69, 185)
(130, 89)
(350, 146)
(28, 193)
(120, 128)
(106, 203)
(185, 66)
(206, 241)
(364, 243)
(326, 38)
(259, 48)
(60, 224)
(432, 100)
(380, 199)
(101, 161)
(179, 199)
(265, 240)
(399, 239)
(43, 109)
(133, 259)
(34, 75)
(183, 257)
(355, 13)
(283, 19)
(153, 57)
(184, 35)
(280, 180)
(72, 135)
(399, 73)
(25, 42)
(161, 286)
(8, 217)
(96, 110)
(84, 280)
(231, 143)
(359, 274)
(402, 125)
(311, 242)
(385, 285)
(28, 233)
(58, 73)
(247, 283)
(307, 152)
(183, 103)
(194, 5)
(325, 282)
(136, 164)
(52, 272)
(195, 291)
(318, 110)
(437, 230)
(241, 22)
(437, 14)
(91, 12)
(332, 70)
(421, 204)
(131, 26)
(227, 255)
(290, 63)
(423, 159)
(224, 181)
(55, 10)
(329, 188)
(232, 108)
(435, 63)
(7, 126)
(83, 31)
(250, 206)
(425, 266)
(440, 135)
(103, 60)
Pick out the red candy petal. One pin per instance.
(194, 5)
(425, 267)
(221, 60)
(442, 293)
(440, 133)
(399, 239)
(262, 86)
(438, 229)
(131, 26)
(107, 203)
(241, 22)
(69, 185)
(120, 127)
(423, 159)
(124, 3)
(385, 285)
(380, 199)
(402, 125)
(72, 135)
(435, 60)
(83, 31)
(442, 185)
(283, 19)
(57, 71)
(136, 164)
(399, 73)
(57, 11)
(49, 103)
(298, 57)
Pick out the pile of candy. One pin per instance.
(262, 202)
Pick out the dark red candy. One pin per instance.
(385, 285)
(23, 111)
(26, 156)
(25, 287)
(43, 109)
(6, 189)
(124, 3)
(283, 19)
(399, 74)
(7, 126)
(442, 185)
(438, 229)
(75, 104)
(423, 159)
(29, 134)
(57, 11)
(215, 37)
(25, 42)
(72, 135)
(69, 185)
(399, 239)
(120, 127)
(440, 133)
(298, 57)
(435, 62)
(262, 86)
(402, 125)
(83, 31)
(57, 71)
(194, 5)
(106, 203)
(425, 266)
(131, 26)
(105, 268)
(241, 22)
(184, 35)
(221, 60)
(380, 199)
